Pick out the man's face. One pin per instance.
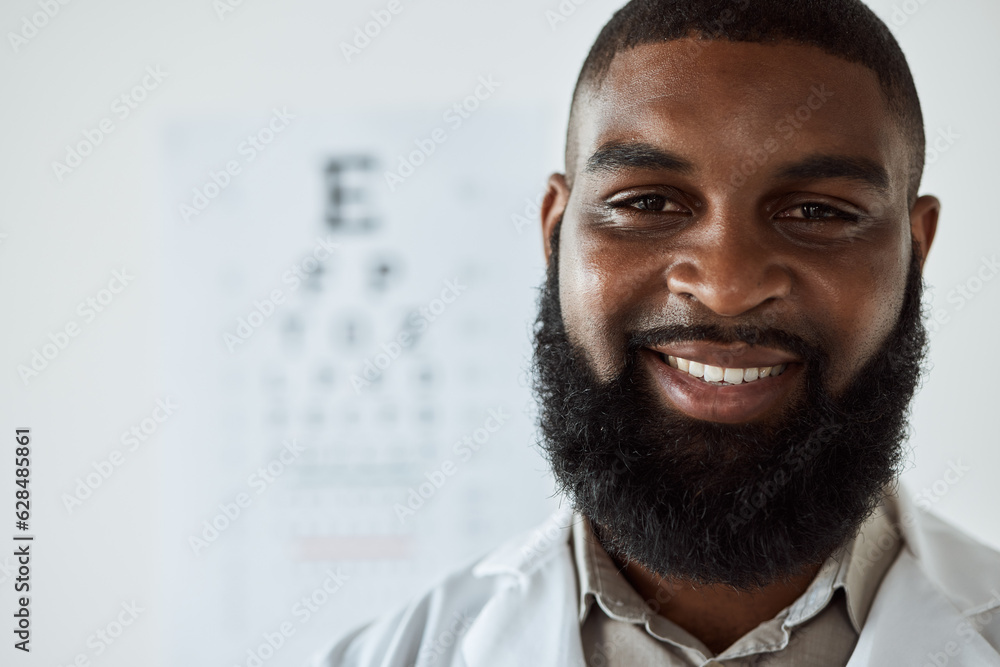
(744, 210)
(815, 238)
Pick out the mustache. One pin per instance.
(812, 354)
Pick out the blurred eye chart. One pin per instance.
(345, 299)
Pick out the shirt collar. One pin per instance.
(600, 579)
(857, 567)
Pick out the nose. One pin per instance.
(729, 267)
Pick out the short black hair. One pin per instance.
(843, 28)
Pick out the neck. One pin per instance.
(717, 614)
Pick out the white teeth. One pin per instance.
(717, 374)
(733, 375)
(714, 374)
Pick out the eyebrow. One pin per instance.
(617, 156)
(820, 167)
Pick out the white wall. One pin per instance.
(162, 335)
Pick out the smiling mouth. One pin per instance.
(716, 393)
(718, 376)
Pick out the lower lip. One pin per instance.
(725, 404)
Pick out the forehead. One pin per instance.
(715, 100)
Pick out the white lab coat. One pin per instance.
(939, 604)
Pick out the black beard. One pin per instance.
(737, 504)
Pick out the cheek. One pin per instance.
(860, 306)
(597, 288)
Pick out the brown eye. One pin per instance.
(818, 211)
(814, 211)
(650, 202)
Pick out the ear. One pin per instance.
(553, 206)
(923, 223)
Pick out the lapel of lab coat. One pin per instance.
(924, 611)
(531, 617)
(922, 614)
(912, 623)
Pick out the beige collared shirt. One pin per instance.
(821, 628)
